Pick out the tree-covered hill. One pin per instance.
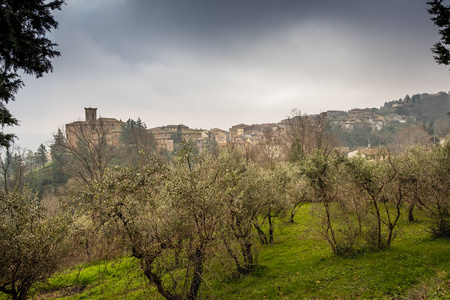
(422, 107)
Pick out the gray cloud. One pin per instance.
(141, 30)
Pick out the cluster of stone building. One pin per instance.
(361, 117)
(94, 128)
(337, 119)
(240, 134)
(165, 136)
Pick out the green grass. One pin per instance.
(299, 265)
(120, 278)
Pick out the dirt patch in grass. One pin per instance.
(437, 287)
(62, 292)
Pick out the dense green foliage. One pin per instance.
(441, 18)
(23, 46)
(41, 155)
(135, 139)
(33, 240)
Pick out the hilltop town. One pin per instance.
(424, 110)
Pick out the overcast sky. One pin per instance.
(217, 63)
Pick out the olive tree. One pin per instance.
(242, 205)
(381, 184)
(438, 200)
(33, 242)
(430, 174)
(320, 171)
(297, 190)
(271, 185)
(170, 217)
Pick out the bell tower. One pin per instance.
(91, 114)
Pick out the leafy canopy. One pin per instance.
(23, 46)
(441, 18)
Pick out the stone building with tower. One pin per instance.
(93, 128)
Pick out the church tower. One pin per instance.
(91, 114)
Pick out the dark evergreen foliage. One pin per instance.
(23, 46)
(441, 18)
(41, 155)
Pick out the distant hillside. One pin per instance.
(423, 107)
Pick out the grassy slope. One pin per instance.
(298, 266)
